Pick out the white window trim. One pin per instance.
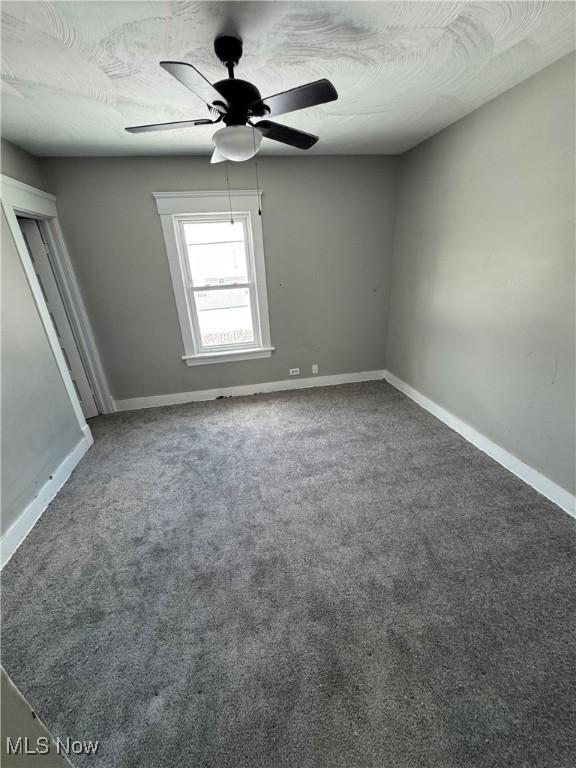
(174, 208)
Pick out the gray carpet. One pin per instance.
(327, 578)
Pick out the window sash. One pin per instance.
(255, 343)
(191, 289)
(221, 287)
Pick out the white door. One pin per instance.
(41, 261)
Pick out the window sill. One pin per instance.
(209, 358)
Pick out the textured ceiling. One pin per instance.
(75, 73)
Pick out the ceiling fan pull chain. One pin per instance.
(256, 168)
(229, 195)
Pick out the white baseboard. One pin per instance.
(528, 474)
(154, 401)
(21, 527)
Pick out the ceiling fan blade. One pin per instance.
(217, 157)
(286, 135)
(308, 95)
(167, 126)
(195, 82)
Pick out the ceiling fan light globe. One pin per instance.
(237, 142)
(217, 157)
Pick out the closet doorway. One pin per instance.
(39, 252)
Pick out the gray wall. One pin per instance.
(482, 307)
(18, 164)
(39, 427)
(327, 234)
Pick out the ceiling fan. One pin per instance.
(237, 102)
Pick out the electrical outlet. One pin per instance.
(315, 368)
(294, 371)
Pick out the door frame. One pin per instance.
(19, 199)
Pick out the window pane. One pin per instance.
(216, 252)
(213, 231)
(224, 317)
(218, 263)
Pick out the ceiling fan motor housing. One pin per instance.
(240, 95)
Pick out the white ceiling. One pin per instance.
(75, 73)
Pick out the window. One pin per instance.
(218, 274)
